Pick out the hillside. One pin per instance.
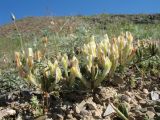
(68, 68)
(33, 28)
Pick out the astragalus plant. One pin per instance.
(96, 62)
(39, 72)
(102, 59)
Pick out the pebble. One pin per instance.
(150, 114)
(60, 117)
(143, 110)
(142, 102)
(85, 113)
(145, 91)
(91, 105)
(126, 98)
(129, 94)
(97, 114)
(76, 109)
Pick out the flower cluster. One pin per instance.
(100, 60)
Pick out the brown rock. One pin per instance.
(85, 113)
(126, 98)
(150, 114)
(145, 91)
(91, 106)
(129, 93)
(97, 114)
(76, 109)
(138, 97)
(60, 117)
(142, 102)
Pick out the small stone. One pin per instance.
(129, 94)
(81, 105)
(158, 114)
(84, 113)
(126, 98)
(107, 118)
(142, 102)
(76, 110)
(48, 119)
(155, 88)
(131, 118)
(64, 108)
(108, 111)
(91, 105)
(138, 97)
(60, 117)
(145, 91)
(150, 114)
(69, 116)
(138, 107)
(138, 112)
(97, 114)
(154, 95)
(143, 110)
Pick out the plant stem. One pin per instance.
(19, 34)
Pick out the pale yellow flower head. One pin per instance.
(65, 61)
(58, 74)
(52, 66)
(129, 37)
(75, 70)
(17, 59)
(30, 52)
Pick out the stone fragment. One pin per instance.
(91, 105)
(126, 98)
(97, 114)
(154, 95)
(76, 109)
(85, 112)
(145, 91)
(109, 110)
(142, 102)
(60, 117)
(138, 97)
(150, 114)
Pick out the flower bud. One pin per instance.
(75, 71)
(65, 61)
(17, 59)
(52, 67)
(38, 56)
(58, 74)
(129, 37)
(30, 62)
(89, 62)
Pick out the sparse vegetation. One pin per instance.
(69, 66)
